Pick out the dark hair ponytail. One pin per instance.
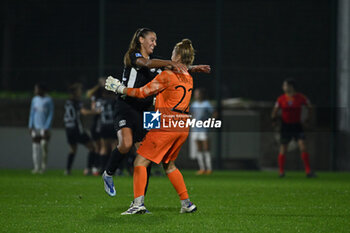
(135, 43)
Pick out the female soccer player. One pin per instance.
(291, 103)
(140, 67)
(201, 109)
(40, 120)
(173, 90)
(95, 95)
(74, 129)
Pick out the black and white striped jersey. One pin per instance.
(135, 77)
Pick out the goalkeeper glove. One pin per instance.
(113, 84)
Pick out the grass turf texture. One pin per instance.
(227, 202)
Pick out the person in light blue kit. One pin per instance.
(201, 109)
(40, 120)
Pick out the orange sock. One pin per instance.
(178, 182)
(140, 180)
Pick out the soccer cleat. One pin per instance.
(35, 171)
(311, 175)
(208, 172)
(188, 209)
(67, 173)
(108, 184)
(200, 172)
(146, 212)
(135, 209)
(282, 175)
(95, 172)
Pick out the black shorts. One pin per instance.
(108, 132)
(74, 136)
(95, 134)
(291, 131)
(128, 117)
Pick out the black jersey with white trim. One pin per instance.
(135, 77)
(108, 111)
(72, 115)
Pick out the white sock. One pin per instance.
(208, 160)
(36, 155)
(185, 203)
(139, 200)
(200, 161)
(44, 151)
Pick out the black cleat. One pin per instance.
(311, 175)
(282, 175)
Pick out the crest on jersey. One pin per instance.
(151, 120)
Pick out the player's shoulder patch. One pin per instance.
(138, 55)
(122, 123)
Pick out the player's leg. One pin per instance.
(125, 142)
(70, 159)
(140, 182)
(149, 167)
(178, 182)
(305, 157)
(36, 151)
(96, 159)
(104, 154)
(282, 158)
(285, 138)
(91, 156)
(206, 153)
(44, 150)
(200, 160)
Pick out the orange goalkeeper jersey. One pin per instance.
(173, 92)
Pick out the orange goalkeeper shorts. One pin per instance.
(162, 146)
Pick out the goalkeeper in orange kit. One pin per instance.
(173, 90)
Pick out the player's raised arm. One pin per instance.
(159, 83)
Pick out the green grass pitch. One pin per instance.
(228, 201)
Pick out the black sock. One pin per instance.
(148, 175)
(96, 160)
(104, 162)
(114, 162)
(91, 158)
(70, 160)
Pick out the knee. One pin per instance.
(125, 146)
(140, 161)
(169, 168)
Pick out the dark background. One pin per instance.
(262, 42)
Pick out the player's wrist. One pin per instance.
(120, 89)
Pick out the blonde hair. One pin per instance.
(186, 51)
(135, 44)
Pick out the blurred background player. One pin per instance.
(174, 90)
(291, 103)
(40, 120)
(201, 109)
(107, 131)
(74, 129)
(95, 95)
